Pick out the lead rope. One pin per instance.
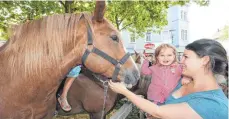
(105, 85)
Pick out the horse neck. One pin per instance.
(53, 53)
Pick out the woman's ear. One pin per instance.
(205, 60)
(206, 63)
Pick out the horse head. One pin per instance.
(102, 49)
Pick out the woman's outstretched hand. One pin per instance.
(118, 87)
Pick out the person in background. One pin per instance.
(202, 98)
(70, 78)
(151, 59)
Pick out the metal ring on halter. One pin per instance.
(90, 45)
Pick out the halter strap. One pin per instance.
(105, 56)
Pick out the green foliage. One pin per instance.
(135, 16)
(81, 6)
(15, 12)
(3, 35)
(202, 2)
(224, 33)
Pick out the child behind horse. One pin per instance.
(70, 78)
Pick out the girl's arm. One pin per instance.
(170, 111)
(145, 69)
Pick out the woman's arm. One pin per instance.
(177, 111)
(145, 69)
(171, 111)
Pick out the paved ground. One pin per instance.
(78, 116)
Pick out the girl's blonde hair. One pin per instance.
(163, 46)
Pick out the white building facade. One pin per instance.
(175, 33)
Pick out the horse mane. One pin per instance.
(36, 47)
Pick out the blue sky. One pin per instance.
(204, 21)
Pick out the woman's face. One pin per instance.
(191, 63)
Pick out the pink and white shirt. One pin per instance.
(164, 80)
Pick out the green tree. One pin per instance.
(15, 12)
(135, 16)
(224, 33)
(138, 16)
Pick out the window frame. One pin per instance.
(148, 37)
(184, 34)
(132, 38)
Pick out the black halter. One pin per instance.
(115, 62)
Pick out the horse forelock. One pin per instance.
(37, 46)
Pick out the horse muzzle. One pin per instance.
(131, 77)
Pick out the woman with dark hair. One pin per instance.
(202, 98)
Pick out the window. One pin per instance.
(185, 16)
(184, 35)
(165, 35)
(181, 14)
(132, 38)
(148, 36)
(172, 36)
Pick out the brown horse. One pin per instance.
(39, 53)
(87, 95)
(88, 89)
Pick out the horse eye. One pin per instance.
(114, 38)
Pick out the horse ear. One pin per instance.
(136, 53)
(99, 11)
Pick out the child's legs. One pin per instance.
(67, 86)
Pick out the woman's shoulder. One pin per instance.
(209, 104)
(216, 95)
(206, 103)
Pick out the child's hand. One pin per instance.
(185, 81)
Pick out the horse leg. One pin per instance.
(96, 115)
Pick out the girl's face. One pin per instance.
(166, 56)
(191, 63)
